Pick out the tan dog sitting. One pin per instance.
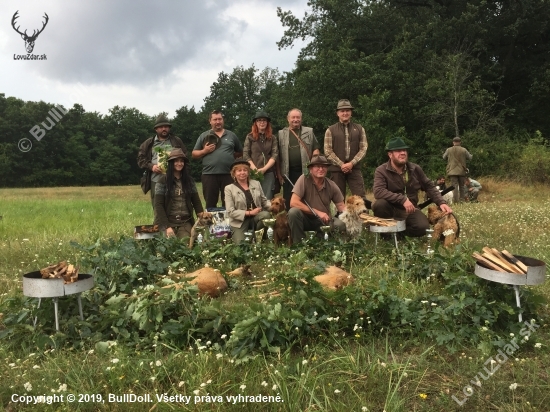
(281, 228)
(446, 227)
(204, 219)
(354, 207)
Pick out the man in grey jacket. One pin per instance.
(297, 144)
(456, 157)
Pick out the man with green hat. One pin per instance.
(148, 158)
(310, 201)
(396, 186)
(345, 147)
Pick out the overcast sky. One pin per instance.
(152, 55)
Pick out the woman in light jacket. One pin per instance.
(245, 202)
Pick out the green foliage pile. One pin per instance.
(417, 298)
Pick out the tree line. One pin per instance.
(425, 70)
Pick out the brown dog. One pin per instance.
(204, 219)
(281, 229)
(446, 227)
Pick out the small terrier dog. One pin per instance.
(281, 229)
(204, 219)
(446, 227)
(354, 207)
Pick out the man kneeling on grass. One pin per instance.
(396, 186)
(316, 191)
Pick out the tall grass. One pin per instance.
(371, 372)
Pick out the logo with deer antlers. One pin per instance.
(29, 40)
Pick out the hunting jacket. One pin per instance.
(307, 137)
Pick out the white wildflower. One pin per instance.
(115, 360)
(513, 386)
(27, 386)
(538, 345)
(242, 387)
(158, 363)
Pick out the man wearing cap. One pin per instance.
(345, 147)
(217, 148)
(310, 201)
(297, 145)
(396, 186)
(456, 157)
(148, 158)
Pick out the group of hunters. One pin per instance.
(291, 160)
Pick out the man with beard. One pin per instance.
(396, 186)
(218, 148)
(148, 158)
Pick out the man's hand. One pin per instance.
(170, 232)
(156, 169)
(346, 167)
(209, 148)
(323, 216)
(445, 208)
(409, 207)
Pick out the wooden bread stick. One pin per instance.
(487, 263)
(515, 260)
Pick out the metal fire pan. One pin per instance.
(139, 234)
(36, 287)
(536, 273)
(398, 227)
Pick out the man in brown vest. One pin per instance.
(345, 147)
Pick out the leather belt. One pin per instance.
(180, 217)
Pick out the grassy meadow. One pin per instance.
(363, 368)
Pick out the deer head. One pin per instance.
(29, 40)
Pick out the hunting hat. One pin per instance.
(162, 120)
(396, 143)
(177, 154)
(318, 160)
(261, 115)
(457, 139)
(344, 104)
(239, 162)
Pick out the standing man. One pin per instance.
(345, 147)
(396, 186)
(317, 191)
(456, 157)
(148, 158)
(217, 148)
(297, 145)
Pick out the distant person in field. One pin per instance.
(176, 198)
(456, 157)
(148, 158)
(396, 186)
(472, 189)
(218, 149)
(345, 147)
(297, 144)
(261, 151)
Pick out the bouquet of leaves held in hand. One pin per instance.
(256, 175)
(163, 155)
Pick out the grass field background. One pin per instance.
(339, 374)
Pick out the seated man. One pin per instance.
(396, 186)
(473, 187)
(317, 191)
